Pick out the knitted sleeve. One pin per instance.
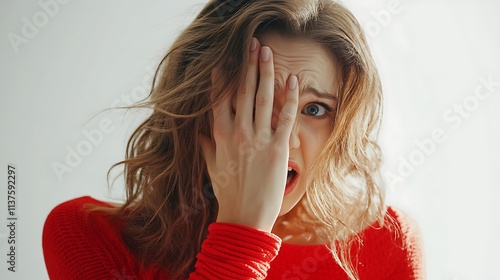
(81, 246)
(235, 252)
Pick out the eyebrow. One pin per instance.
(319, 94)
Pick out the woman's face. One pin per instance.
(316, 73)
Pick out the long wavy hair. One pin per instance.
(169, 200)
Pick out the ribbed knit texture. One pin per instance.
(78, 245)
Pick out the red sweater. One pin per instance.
(79, 246)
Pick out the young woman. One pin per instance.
(258, 161)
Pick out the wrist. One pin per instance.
(253, 221)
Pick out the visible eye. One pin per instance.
(317, 109)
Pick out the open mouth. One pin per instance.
(291, 175)
(291, 180)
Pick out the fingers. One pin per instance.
(246, 94)
(265, 94)
(288, 113)
(260, 62)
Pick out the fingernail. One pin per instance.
(292, 82)
(253, 44)
(265, 54)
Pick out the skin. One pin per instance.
(286, 127)
(314, 123)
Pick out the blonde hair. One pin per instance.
(170, 202)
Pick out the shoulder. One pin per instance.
(404, 222)
(400, 240)
(76, 240)
(73, 216)
(405, 229)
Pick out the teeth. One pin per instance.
(289, 168)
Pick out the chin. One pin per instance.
(291, 199)
(284, 211)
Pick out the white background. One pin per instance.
(89, 56)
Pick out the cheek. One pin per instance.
(312, 141)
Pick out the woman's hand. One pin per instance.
(248, 163)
